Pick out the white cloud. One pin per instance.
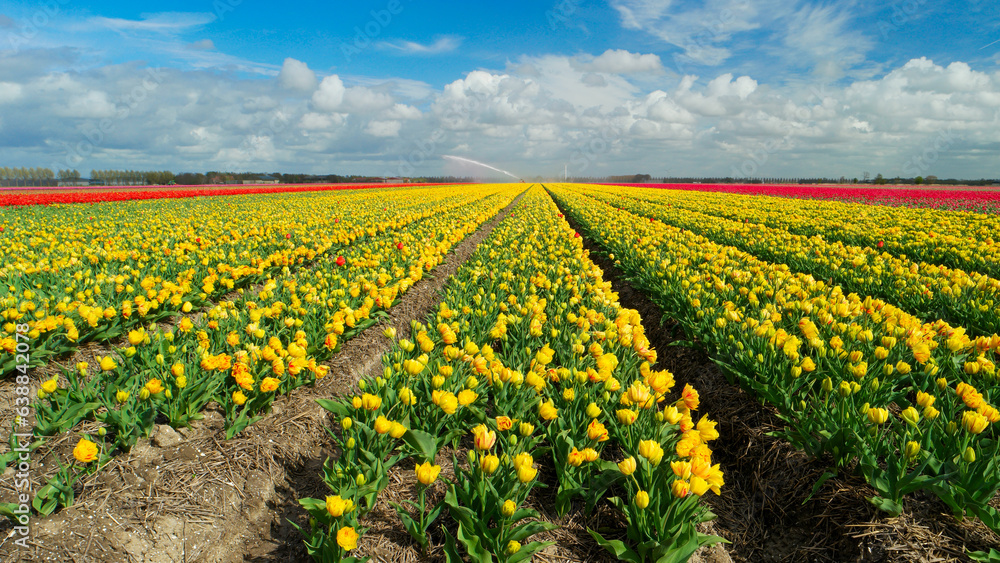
(202, 45)
(164, 22)
(701, 31)
(620, 61)
(402, 111)
(827, 37)
(330, 94)
(9, 92)
(90, 104)
(445, 44)
(533, 117)
(360, 99)
(594, 80)
(321, 121)
(379, 128)
(296, 75)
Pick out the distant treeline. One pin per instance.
(197, 178)
(20, 176)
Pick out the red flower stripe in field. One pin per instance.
(86, 196)
(972, 200)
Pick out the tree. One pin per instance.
(918, 180)
(879, 179)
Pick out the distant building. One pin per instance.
(395, 180)
(74, 183)
(262, 180)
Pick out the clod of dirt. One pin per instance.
(166, 437)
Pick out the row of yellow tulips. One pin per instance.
(531, 355)
(76, 273)
(927, 290)
(957, 239)
(242, 353)
(909, 405)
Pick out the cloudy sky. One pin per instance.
(752, 88)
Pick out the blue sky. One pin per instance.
(763, 88)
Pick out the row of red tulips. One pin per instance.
(128, 194)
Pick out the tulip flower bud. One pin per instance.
(970, 455)
(346, 423)
(102, 432)
(351, 443)
(827, 385)
(627, 467)
(952, 428)
(642, 499)
(360, 480)
(509, 507)
(362, 384)
(489, 463)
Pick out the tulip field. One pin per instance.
(527, 398)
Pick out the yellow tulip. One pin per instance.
(642, 499)
(427, 473)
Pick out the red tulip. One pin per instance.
(881, 244)
(288, 235)
(341, 261)
(399, 245)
